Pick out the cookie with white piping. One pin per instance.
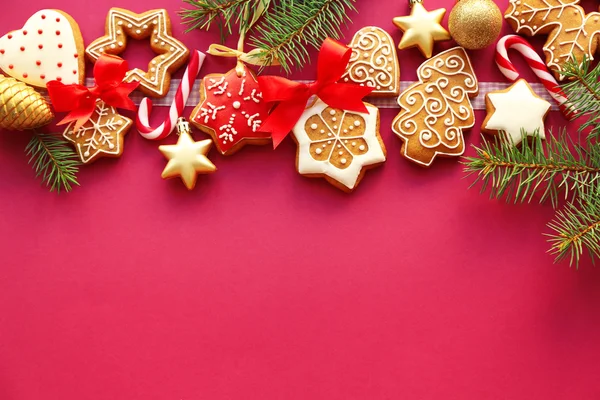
(154, 25)
(338, 145)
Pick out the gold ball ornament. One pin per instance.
(21, 107)
(475, 24)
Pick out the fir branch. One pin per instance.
(53, 160)
(225, 13)
(583, 92)
(519, 172)
(289, 28)
(577, 227)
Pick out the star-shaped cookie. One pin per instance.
(153, 24)
(101, 136)
(515, 109)
(422, 28)
(187, 159)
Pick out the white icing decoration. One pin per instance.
(318, 151)
(236, 104)
(314, 126)
(379, 66)
(50, 55)
(551, 11)
(154, 82)
(517, 109)
(348, 176)
(99, 134)
(450, 63)
(254, 96)
(228, 130)
(210, 112)
(356, 123)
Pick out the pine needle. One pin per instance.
(294, 25)
(224, 13)
(577, 227)
(520, 172)
(583, 92)
(54, 160)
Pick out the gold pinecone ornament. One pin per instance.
(21, 107)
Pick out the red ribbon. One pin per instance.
(80, 101)
(293, 96)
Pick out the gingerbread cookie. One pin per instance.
(155, 25)
(571, 32)
(48, 47)
(374, 62)
(515, 109)
(101, 136)
(338, 145)
(231, 110)
(435, 110)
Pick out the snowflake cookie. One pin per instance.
(571, 32)
(231, 110)
(101, 136)
(338, 145)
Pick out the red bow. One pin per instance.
(80, 101)
(293, 96)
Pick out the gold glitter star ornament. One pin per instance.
(187, 158)
(421, 28)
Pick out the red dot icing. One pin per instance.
(59, 79)
(40, 31)
(57, 33)
(24, 32)
(11, 66)
(59, 65)
(38, 62)
(76, 55)
(25, 75)
(60, 45)
(22, 48)
(43, 16)
(42, 76)
(74, 72)
(1, 51)
(57, 19)
(9, 36)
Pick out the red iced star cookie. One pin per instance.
(231, 110)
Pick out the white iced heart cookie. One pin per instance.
(48, 47)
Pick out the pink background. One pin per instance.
(262, 284)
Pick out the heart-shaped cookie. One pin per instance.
(374, 62)
(48, 47)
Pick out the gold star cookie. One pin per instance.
(153, 24)
(187, 158)
(422, 28)
(101, 136)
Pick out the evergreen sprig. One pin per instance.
(520, 172)
(285, 31)
(289, 28)
(583, 92)
(54, 160)
(577, 227)
(224, 13)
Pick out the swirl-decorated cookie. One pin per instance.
(48, 47)
(338, 145)
(374, 62)
(435, 110)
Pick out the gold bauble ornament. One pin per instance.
(187, 158)
(21, 107)
(475, 24)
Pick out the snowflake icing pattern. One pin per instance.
(232, 109)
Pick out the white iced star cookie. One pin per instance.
(338, 145)
(514, 109)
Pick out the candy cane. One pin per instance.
(176, 110)
(536, 64)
